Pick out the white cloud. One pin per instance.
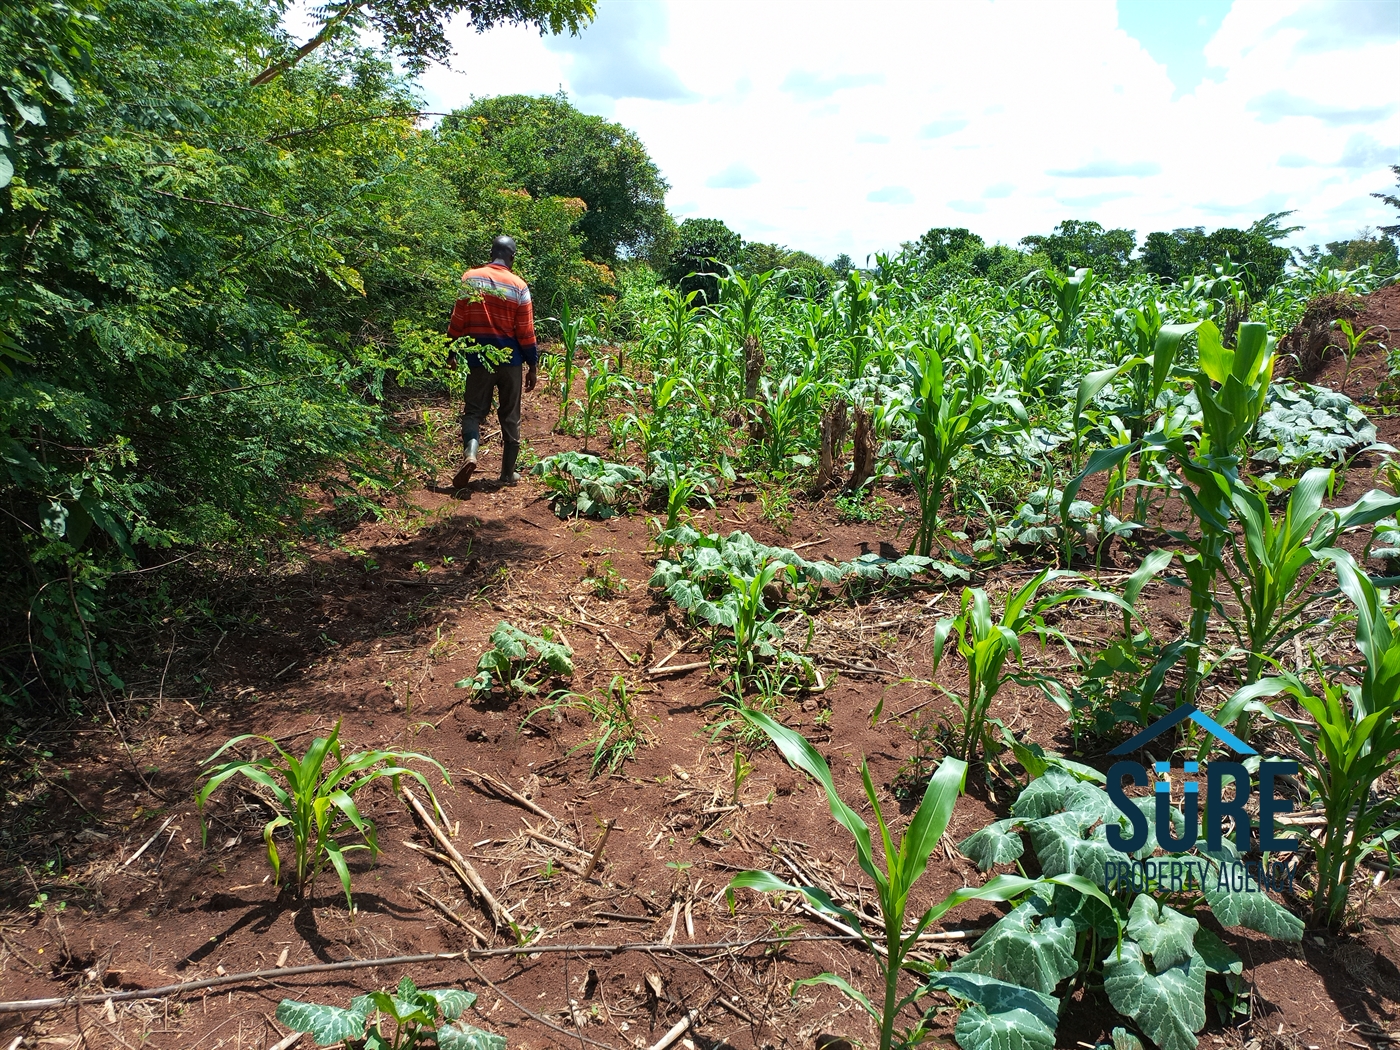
(836, 134)
(734, 177)
(891, 195)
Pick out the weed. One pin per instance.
(859, 506)
(616, 718)
(603, 579)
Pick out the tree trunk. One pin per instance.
(864, 449)
(836, 424)
(753, 366)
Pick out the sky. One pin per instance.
(834, 127)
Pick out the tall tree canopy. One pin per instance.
(415, 29)
(548, 148)
(942, 243)
(1184, 252)
(702, 248)
(1077, 243)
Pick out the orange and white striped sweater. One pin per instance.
(495, 310)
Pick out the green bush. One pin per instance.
(212, 298)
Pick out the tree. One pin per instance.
(414, 30)
(1368, 248)
(943, 243)
(702, 248)
(1393, 199)
(548, 148)
(1077, 243)
(1185, 252)
(842, 265)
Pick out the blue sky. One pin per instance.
(803, 125)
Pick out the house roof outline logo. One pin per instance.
(1181, 714)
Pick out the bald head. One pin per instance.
(503, 250)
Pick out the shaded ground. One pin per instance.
(375, 635)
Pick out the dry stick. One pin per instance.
(452, 916)
(511, 795)
(147, 845)
(631, 661)
(598, 853)
(851, 665)
(288, 1043)
(676, 1031)
(498, 914)
(531, 833)
(671, 933)
(531, 1014)
(273, 975)
(32, 1005)
(16, 953)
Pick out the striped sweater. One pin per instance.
(495, 310)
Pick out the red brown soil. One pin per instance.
(379, 651)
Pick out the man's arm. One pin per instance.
(525, 336)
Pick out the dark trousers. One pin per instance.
(481, 384)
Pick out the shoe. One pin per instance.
(463, 477)
(509, 455)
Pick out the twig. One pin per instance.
(663, 666)
(277, 973)
(632, 662)
(676, 1030)
(287, 1043)
(809, 543)
(31, 1005)
(598, 853)
(531, 833)
(18, 955)
(452, 916)
(531, 1014)
(917, 707)
(511, 795)
(473, 879)
(725, 1004)
(851, 665)
(148, 842)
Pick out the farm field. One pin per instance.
(983, 639)
(713, 423)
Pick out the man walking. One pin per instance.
(494, 311)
